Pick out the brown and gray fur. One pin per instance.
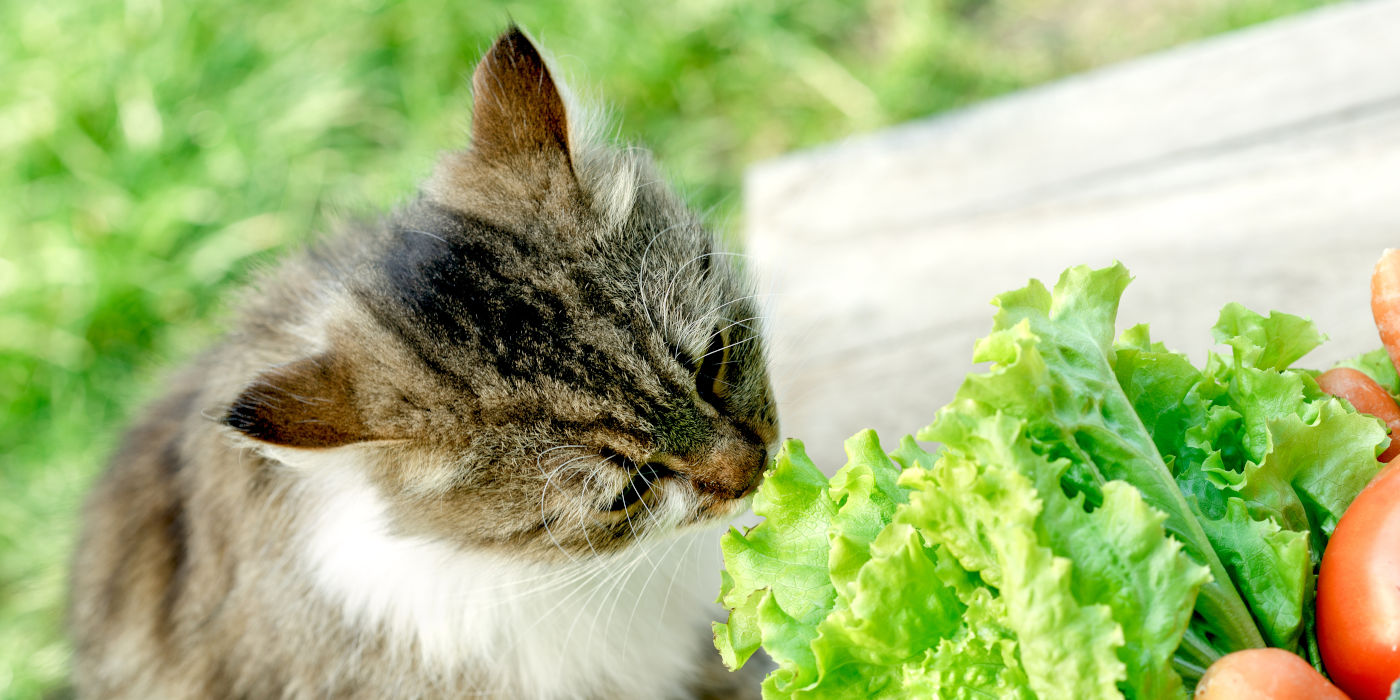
(544, 365)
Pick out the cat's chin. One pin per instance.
(722, 511)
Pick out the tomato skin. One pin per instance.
(1264, 674)
(1358, 592)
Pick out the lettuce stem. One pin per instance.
(1220, 601)
(1194, 645)
(1189, 672)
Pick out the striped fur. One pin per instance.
(474, 448)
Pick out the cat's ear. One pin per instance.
(307, 403)
(516, 108)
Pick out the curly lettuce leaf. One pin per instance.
(791, 571)
(1104, 517)
(898, 609)
(777, 584)
(1314, 467)
(1274, 342)
(1271, 566)
(985, 516)
(1267, 461)
(1053, 366)
(1121, 557)
(865, 494)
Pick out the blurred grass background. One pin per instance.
(152, 151)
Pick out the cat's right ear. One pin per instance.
(309, 403)
(516, 107)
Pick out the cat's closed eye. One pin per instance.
(440, 430)
(709, 376)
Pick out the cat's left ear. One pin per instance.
(309, 403)
(516, 108)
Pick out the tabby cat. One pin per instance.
(478, 448)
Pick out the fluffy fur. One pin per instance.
(476, 448)
(548, 630)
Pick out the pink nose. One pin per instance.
(730, 470)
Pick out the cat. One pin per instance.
(478, 448)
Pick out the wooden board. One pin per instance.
(1261, 167)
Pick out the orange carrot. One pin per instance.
(1264, 674)
(1367, 397)
(1385, 302)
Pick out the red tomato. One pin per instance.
(1358, 592)
(1264, 674)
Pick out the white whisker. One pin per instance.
(682, 561)
(731, 345)
(647, 583)
(702, 320)
(641, 274)
(425, 233)
(619, 585)
(544, 519)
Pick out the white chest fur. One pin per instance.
(627, 627)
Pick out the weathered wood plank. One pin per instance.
(1262, 167)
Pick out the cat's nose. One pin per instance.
(731, 469)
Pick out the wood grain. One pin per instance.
(1261, 167)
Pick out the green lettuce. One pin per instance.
(1102, 518)
(1377, 365)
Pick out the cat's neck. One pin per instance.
(629, 625)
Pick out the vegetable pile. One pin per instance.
(1103, 518)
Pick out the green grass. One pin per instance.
(152, 152)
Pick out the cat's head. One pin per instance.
(548, 352)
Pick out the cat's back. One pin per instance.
(182, 586)
(477, 447)
(134, 551)
(185, 582)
